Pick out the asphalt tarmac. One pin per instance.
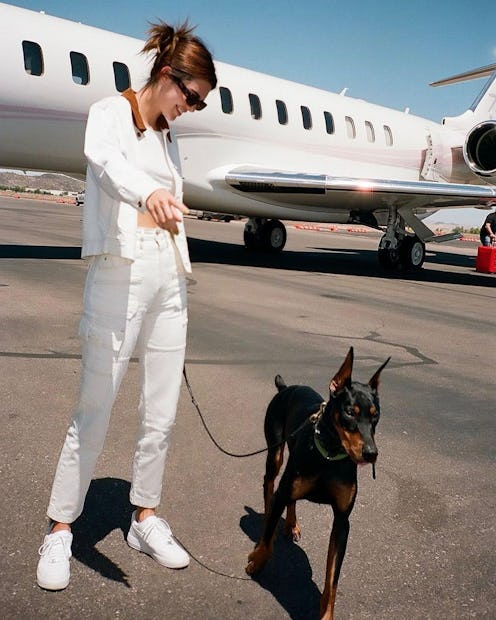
(422, 540)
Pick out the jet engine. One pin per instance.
(479, 150)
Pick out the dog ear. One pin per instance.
(374, 381)
(343, 376)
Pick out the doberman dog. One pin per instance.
(326, 441)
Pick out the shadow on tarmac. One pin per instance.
(106, 508)
(288, 574)
(342, 261)
(39, 251)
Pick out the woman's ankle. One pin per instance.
(143, 513)
(57, 526)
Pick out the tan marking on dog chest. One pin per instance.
(301, 487)
(343, 495)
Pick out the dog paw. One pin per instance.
(293, 532)
(257, 560)
(253, 567)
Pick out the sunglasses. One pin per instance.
(192, 99)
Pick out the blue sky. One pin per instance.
(385, 52)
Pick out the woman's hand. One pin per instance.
(166, 210)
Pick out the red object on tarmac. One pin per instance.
(486, 259)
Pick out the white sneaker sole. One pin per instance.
(53, 587)
(135, 544)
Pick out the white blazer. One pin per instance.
(116, 186)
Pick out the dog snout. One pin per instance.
(369, 453)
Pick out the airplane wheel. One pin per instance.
(389, 259)
(412, 253)
(250, 240)
(273, 236)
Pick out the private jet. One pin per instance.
(264, 148)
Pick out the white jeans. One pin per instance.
(126, 305)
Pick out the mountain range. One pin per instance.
(43, 182)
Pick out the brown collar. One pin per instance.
(161, 122)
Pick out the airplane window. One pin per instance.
(329, 122)
(282, 112)
(306, 117)
(226, 100)
(350, 127)
(388, 134)
(33, 58)
(369, 128)
(121, 76)
(80, 69)
(255, 106)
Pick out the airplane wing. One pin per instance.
(365, 199)
(357, 193)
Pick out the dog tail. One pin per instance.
(279, 381)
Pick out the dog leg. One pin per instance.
(335, 555)
(292, 529)
(262, 552)
(273, 465)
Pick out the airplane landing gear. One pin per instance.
(413, 253)
(264, 235)
(408, 255)
(398, 250)
(389, 258)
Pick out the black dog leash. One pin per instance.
(313, 419)
(247, 454)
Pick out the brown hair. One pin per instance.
(179, 48)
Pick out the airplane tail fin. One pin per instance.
(478, 123)
(484, 106)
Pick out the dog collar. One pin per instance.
(315, 418)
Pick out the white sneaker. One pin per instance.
(154, 537)
(53, 571)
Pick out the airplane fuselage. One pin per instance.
(49, 113)
(264, 147)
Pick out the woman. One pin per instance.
(135, 293)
